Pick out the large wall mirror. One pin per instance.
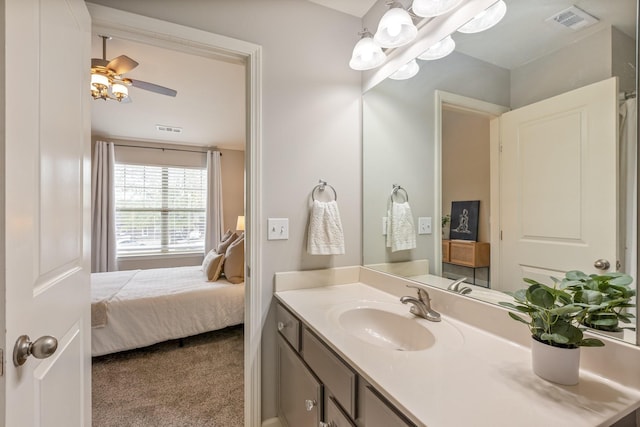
(563, 199)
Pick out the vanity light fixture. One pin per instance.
(431, 8)
(367, 53)
(407, 71)
(485, 19)
(396, 27)
(439, 50)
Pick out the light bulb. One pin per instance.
(367, 54)
(395, 28)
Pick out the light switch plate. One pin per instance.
(424, 225)
(278, 229)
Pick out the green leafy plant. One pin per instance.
(558, 314)
(446, 219)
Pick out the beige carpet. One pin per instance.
(198, 385)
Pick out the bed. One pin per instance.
(137, 308)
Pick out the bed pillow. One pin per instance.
(226, 235)
(234, 262)
(207, 259)
(222, 247)
(212, 265)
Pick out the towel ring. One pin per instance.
(397, 188)
(321, 186)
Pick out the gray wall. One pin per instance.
(599, 56)
(311, 123)
(398, 135)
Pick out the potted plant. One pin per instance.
(558, 314)
(446, 219)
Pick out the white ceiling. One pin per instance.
(524, 35)
(352, 7)
(209, 106)
(210, 102)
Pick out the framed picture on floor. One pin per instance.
(464, 220)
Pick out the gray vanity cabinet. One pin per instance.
(377, 413)
(299, 392)
(316, 388)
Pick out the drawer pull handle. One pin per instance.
(310, 404)
(282, 325)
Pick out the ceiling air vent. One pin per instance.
(170, 129)
(573, 18)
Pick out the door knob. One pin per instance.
(309, 404)
(41, 348)
(602, 264)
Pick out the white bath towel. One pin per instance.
(401, 234)
(325, 229)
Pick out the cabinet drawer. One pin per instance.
(288, 326)
(333, 372)
(334, 416)
(378, 413)
(470, 254)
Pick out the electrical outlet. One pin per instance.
(424, 225)
(278, 229)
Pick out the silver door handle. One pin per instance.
(309, 404)
(41, 348)
(602, 264)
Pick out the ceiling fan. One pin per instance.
(107, 81)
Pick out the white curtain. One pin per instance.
(215, 220)
(103, 210)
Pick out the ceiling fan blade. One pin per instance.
(153, 87)
(99, 62)
(122, 64)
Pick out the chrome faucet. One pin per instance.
(421, 306)
(455, 286)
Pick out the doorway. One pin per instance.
(154, 32)
(479, 111)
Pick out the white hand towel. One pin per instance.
(401, 234)
(325, 229)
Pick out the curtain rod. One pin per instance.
(163, 148)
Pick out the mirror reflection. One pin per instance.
(514, 156)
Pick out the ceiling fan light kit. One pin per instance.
(107, 81)
(396, 28)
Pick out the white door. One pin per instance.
(46, 212)
(558, 182)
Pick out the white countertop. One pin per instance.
(472, 378)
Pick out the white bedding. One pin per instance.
(144, 307)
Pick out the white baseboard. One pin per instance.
(272, 422)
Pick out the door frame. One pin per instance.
(165, 34)
(491, 112)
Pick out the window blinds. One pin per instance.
(159, 209)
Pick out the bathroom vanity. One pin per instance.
(350, 354)
(318, 388)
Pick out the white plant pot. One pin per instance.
(555, 364)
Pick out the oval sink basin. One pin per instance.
(386, 329)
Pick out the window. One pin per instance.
(159, 209)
